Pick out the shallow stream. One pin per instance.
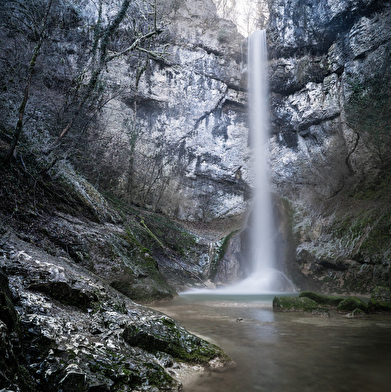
(285, 352)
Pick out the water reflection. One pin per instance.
(287, 352)
(262, 315)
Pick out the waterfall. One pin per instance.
(264, 277)
(262, 249)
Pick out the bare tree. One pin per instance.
(102, 55)
(248, 15)
(21, 11)
(116, 32)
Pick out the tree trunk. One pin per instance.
(19, 126)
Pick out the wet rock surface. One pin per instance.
(322, 299)
(350, 304)
(71, 330)
(320, 304)
(106, 249)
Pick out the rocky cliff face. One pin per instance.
(173, 134)
(190, 155)
(330, 103)
(167, 130)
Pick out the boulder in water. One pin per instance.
(350, 304)
(299, 304)
(380, 300)
(322, 299)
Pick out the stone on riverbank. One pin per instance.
(356, 313)
(164, 335)
(299, 304)
(350, 304)
(63, 328)
(380, 300)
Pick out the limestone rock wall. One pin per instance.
(329, 99)
(190, 157)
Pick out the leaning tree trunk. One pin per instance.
(22, 108)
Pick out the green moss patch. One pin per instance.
(350, 304)
(322, 299)
(299, 304)
(166, 336)
(221, 250)
(380, 300)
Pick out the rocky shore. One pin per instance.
(64, 329)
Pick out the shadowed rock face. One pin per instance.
(329, 104)
(314, 96)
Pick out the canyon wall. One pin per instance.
(330, 102)
(171, 132)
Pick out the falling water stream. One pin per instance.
(262, 219)
(264, 278)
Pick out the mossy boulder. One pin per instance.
(299, 304)
(166, 336)
(380, 300)
(351, 303)
(322, 299)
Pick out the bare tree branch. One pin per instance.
(19, 126)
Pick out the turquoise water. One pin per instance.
(285, 352)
